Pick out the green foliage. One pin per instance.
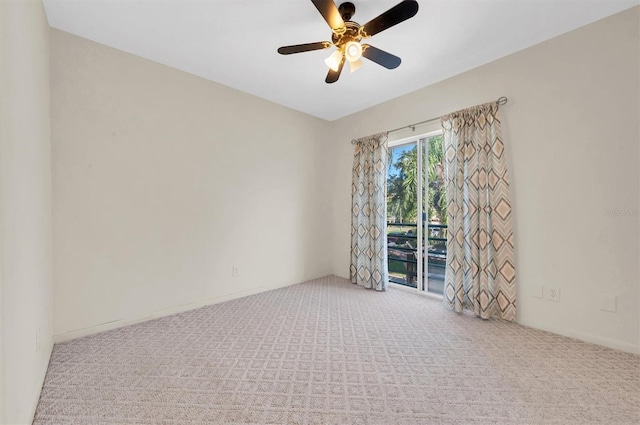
(402, 186)
(437, 198)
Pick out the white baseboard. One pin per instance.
(34, 403)
(79, 333)
(586, 337)
(607, 342)
(582, 336)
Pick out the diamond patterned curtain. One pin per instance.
(369, 213)
(480, 273)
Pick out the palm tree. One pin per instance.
(395, 198)
(437, 199)
(402, 187)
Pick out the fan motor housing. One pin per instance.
(347, 34)
(347, 10)
(350, 34)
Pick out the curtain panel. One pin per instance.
(369, 213)
(480, 271)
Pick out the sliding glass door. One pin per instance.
(435, 214)
(402, 213)
(416, 213)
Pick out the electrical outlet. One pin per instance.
(235, 271)
(552, 293)
(608, 303)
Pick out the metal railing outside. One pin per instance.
(402, 247)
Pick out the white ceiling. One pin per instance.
(234, 42)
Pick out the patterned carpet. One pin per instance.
(329, 352)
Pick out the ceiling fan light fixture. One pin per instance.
(353, 51)
(347, 34)
(355, 65)
(334, 60)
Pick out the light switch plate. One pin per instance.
(552, 293)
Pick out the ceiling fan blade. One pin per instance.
(333, 76)
(398, 13)
(307, 47)
(329, 12)
(380, 57)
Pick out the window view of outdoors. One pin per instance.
(402, 211)
(436, 216)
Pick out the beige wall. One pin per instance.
(571, 130)
(25, 197)
(162, 181)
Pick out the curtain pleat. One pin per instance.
(480, 272)
(369, 213)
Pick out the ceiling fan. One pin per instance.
(347, 35)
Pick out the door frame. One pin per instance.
(421, 286)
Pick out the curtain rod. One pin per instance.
(501, 101)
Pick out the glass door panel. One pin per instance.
(416, 214)
(435, 215)
(402, 212)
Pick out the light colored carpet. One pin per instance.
(329, 352)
